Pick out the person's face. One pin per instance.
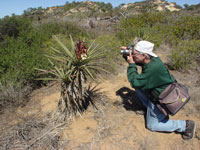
(137, 57)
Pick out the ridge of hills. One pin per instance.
(103, 16)
(99, 9)
(159, 5)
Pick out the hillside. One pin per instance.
(101, 15)
(97, 15)
(100, 10)
(97, 8)
(152, 5)
(192, 10)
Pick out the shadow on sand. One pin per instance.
(130, 100)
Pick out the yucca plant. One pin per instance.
(71, 67)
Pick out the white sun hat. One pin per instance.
(145, 47)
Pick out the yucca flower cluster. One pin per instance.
(81, 50)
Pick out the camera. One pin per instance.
(126, 51)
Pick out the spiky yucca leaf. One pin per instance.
(64, 47)
(72, 44)
(58, 73)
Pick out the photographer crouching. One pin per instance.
(153, 80)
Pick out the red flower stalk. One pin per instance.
(81, 50)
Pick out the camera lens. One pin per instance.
(124, 52)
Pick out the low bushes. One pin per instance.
(185, 54)
(145, 26)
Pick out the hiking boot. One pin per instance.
(190, 130)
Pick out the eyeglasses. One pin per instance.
(137, 53)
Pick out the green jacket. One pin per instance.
(153, 79)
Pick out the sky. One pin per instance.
(8, 7)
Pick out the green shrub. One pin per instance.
(150, 34)
(31, 12)
(12, 26)
(105, 7)
(147, 26)
(19, 58)
(185, 54)
(186, 28)
(180, 28)
(144, 20)
(159, 27)
(111, 46)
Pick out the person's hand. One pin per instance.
(130, 57)
(123, 47)
(124, 56)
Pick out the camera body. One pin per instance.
(126, 51)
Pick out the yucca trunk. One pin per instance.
(72, 96)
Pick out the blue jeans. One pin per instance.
(156, 120)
